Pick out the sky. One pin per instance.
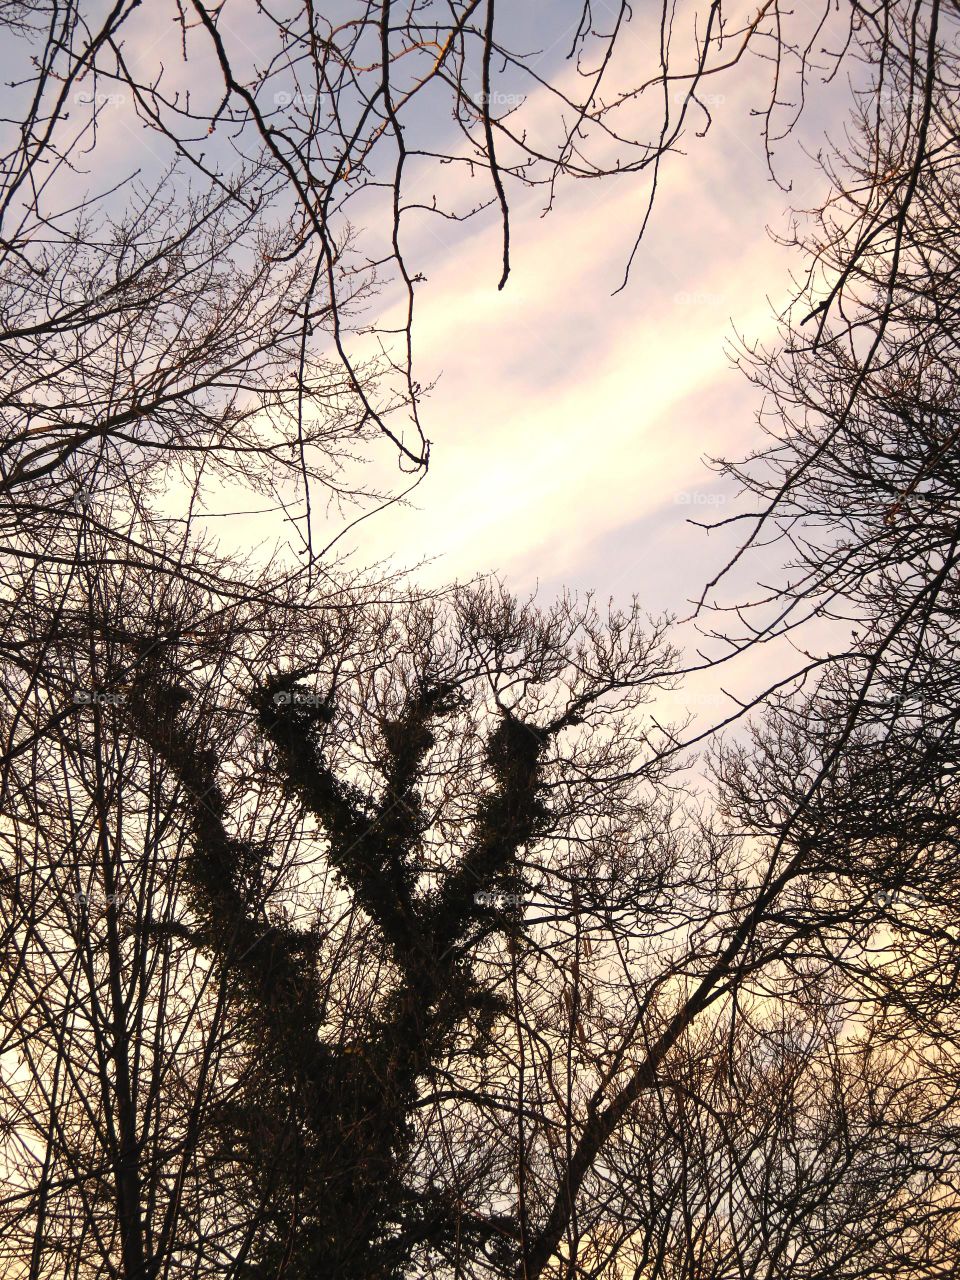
(570, 422)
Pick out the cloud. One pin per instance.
(564, 414)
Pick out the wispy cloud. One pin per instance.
(564, 414)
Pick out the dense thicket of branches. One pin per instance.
(860, 483)
(352, 932)
(281, 1034)
(314, 899)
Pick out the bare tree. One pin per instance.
(349, 932)
(857, 479)
(317, 887)
(422, 964)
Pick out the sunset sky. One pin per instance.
(569, 422)
(568, 425)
